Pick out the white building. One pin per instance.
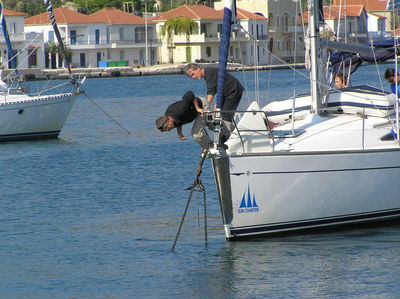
(285, 34)
(203, 42)
(377, 26)
(129, 37)
(110, 35)
(28, 47)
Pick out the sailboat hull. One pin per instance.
(282, 192)
(24, 117)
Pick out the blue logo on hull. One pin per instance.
(248, 204)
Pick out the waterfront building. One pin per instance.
(129, 37)
(380, 18)
(109, 37)
(83, 35)
(28, 47)
(202, 44)
(285, 35)
(348, 23)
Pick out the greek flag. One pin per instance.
(7, 39)
(393, 5)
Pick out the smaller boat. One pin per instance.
(24, 115)
(363, 100)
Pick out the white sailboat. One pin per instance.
(29, 116)
(333, 165)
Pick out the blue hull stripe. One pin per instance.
(314, 223)
(26, 136)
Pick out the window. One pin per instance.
(203, 29)
(285, 22)
(121, 34)
(51, 36)
(271, 45)
(121, 55)
(277, 21)
(381, 25)
(140, 34)
(271, 20)
(208, 51)
(72, 37)
(13, 27)
(97, 36)
(219, 28)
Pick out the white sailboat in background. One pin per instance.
(29, 116)
(337, 164)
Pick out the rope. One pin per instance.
(197, 186)
(105, 113)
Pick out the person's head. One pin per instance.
(390, 75)
(195, 71)
(165, 123)
(340, 81)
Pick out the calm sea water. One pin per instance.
(94, 213)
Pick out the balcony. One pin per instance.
(291, 29)
(262, 37)
(287, 53)
(23, 37)
(80, 44)
(138, 43)
(197, 38)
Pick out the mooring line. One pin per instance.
(197, 186)
(108, 115)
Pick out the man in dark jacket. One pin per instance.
(232, 92)
(189, 109)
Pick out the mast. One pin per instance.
(229, 13)
(313, 13)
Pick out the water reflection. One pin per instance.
(341, 264)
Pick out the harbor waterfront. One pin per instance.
(160, 69)
(94, 213)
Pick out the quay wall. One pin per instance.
(46, 74)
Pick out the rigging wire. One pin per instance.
(244, 72)
(273, 44)
(305, 75)
(107, 114)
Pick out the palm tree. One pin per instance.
(178, 25)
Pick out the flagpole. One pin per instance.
(57, 33)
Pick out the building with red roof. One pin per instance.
(379, 17)
(202, 44)
(109, 37)
(285, 37)
(28, 47)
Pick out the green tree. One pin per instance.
(91, 6)
(31, 7)
(171, 4)
(178, 25)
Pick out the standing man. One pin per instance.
(390, 75)
(189, 109)
(232, 93)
